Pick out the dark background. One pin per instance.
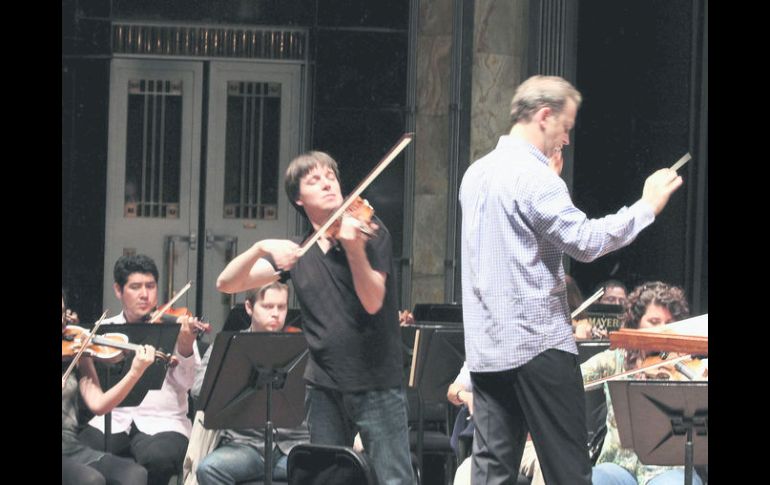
(640, 84)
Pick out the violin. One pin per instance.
(178, 312)
(168, 314)
(686, 370)
(171, 315)
(110, 347)
(361, 211)
(649, 370)
(354, 199)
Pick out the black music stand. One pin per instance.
(439, 353)
(163, 337)
(447, 313)
(244, 369)
(664, 422)
(604, 316)
(589, 348)
(438, 356)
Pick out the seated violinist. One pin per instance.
(154, 433)
(79, 463)
(650, 305)
(230, 456)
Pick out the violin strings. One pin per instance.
(397, 148)
(597, 382)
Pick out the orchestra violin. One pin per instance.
(110, 347)
(168, 314)
(689, 369)
(361, 211)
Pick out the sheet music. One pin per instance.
(695, 326)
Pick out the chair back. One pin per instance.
(311, 464)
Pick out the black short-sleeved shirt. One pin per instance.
(350, 350)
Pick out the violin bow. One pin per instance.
(405, 139)
(82, 348)
(587, 303)
(593, 384)
(155, 316)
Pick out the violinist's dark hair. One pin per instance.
(257, 294)
(301, 166)
(135, 263)
(653, 293)
(611, 284)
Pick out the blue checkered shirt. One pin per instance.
(517, 221)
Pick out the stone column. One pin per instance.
(500, 48)
(499, 66)
(434, 48)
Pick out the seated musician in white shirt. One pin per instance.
(155, 433)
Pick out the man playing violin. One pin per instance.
(346, 288)
(156, 431)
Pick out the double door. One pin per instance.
(196, 157)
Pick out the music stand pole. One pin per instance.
(420, 429)
(107, 420)
(107, 431)
(271, 377)
(688, 457)
(268, 436)
(655, 417)
(686, 426)
(241, 367)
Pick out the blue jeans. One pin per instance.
(380, 416)
(234, 462)
(674, 477)
(612, 474)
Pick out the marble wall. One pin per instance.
(499, 62)
(499, 66)
(434, 47)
